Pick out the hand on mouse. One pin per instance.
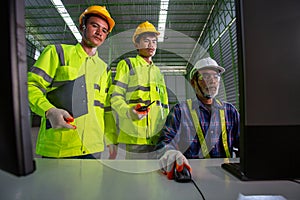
(168, 160)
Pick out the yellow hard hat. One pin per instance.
(101, 11)
(144, 28)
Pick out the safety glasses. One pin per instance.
(208, 76)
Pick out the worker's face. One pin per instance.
(208, 80)
(147, 45)
(95, 31)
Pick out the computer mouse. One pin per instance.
(183, 176)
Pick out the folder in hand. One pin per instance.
(71, 97)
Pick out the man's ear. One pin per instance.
(107, 35)
(136, 45)
(82, 27)
(192, 81)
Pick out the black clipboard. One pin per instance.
(71, 97)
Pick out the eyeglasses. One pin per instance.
(207, 76)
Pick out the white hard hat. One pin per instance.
(206, 63)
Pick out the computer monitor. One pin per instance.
(269, 70)
(16, 156)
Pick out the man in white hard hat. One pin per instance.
(139, 82)
(204, 127)
(67, 88)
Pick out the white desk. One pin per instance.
(65, 179)
(216, 183)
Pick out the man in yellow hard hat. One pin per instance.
(139, 82)
(67, 87)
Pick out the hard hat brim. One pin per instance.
(213, 67)
(109, 20)
(135, 36)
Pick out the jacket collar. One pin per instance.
(215, 104)
(82, 53)
(143, 61)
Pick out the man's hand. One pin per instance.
(60, 118)
(168, 160)
(113, 151)
(134, 114)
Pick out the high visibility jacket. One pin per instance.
(139, 82)
(57, 65)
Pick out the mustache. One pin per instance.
(147, 48)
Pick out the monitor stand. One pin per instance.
(235, 169)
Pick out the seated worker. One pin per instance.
(204, 127)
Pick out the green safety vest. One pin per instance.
(57, 65)
(200, 134)
(136, 82)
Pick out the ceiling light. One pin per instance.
(65, 15)
(163, 13)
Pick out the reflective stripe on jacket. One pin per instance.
(139, 83)
(56, 66)
(201, 135)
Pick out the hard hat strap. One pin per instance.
(207, 96)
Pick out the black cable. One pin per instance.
(198, 189)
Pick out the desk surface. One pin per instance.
(132, 179)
